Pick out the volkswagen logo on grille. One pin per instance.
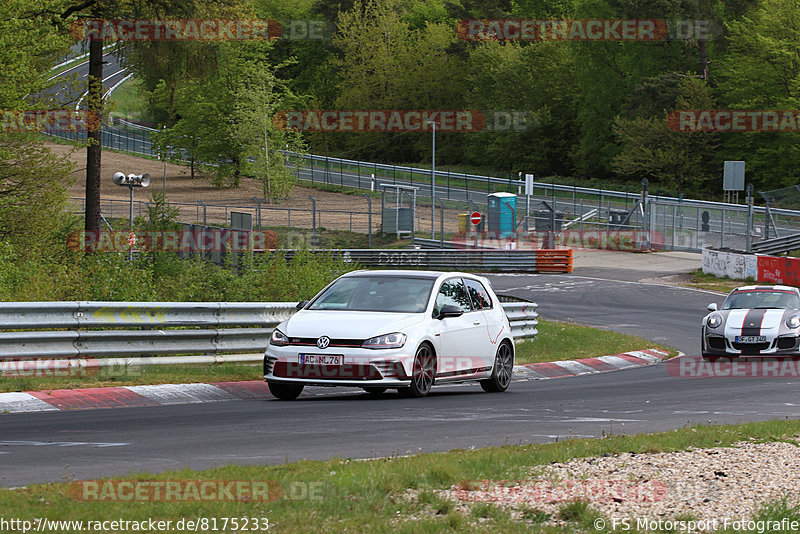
(323, 342)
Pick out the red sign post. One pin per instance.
(475, 218)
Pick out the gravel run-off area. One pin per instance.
(708, 485)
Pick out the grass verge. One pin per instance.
(701, 280)
(343, 495)
(559, 340)
(94, 377)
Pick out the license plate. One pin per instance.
(320, 359)
(751, 339)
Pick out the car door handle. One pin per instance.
(476, 323)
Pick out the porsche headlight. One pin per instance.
(793, 321)
(278, 338)
(714, 320)
(386, 341)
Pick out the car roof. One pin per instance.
(765, 288)
(411, 273)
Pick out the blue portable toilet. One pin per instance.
(502, 214)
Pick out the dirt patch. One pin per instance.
(334, 210)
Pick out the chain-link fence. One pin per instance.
(560, 212)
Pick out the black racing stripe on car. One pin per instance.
(752, 322)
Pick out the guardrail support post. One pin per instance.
(369, 220)
(749, 242)
(258, 217)
(441, 223)
(313, 221)
(204, 212)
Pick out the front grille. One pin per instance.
(326, 372)
(312, 342)
(750, 348)
(787, 343)
(716, 343)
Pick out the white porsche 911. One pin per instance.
(753, 321)
(404, 330)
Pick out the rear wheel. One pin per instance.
(501, 371)
(422, 373)
(285, 391)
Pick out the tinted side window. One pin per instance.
(453, 292)
(480, 297)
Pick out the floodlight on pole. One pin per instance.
(131, 181)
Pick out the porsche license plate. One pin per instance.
(320, 359)
(751, 339)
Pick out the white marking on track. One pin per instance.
(34, 443)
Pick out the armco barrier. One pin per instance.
(554, 261)
(481, 260)
(73, 330)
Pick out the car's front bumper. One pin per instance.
(360, 368)
(719, 345)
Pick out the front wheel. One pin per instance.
(285, 391)
(501, 371)
(422, 373)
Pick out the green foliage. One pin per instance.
(162, 276)
(29, 45)
(33, 184)
(261, 95)
(675, 160)
(762, 71)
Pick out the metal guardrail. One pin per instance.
(778, 244)
(676, 223)
(518, 261)
(50, 330)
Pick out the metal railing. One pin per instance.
(134, 330)
(672, 223)
(777, 245)
(481, 260)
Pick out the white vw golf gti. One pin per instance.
(404, 330)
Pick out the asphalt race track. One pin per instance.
(87, 444)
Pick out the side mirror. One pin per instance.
(712, 307)
(449, 310)
(301, 304)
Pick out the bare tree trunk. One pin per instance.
(94, 102)
(701, 44)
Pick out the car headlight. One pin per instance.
(714, 320)
(278, 338)
(793, 321)
(386, 341)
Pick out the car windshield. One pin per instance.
(376, 293)
(762, 298)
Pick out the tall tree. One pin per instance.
(680, 161)
(262, 95)
(762, 72)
